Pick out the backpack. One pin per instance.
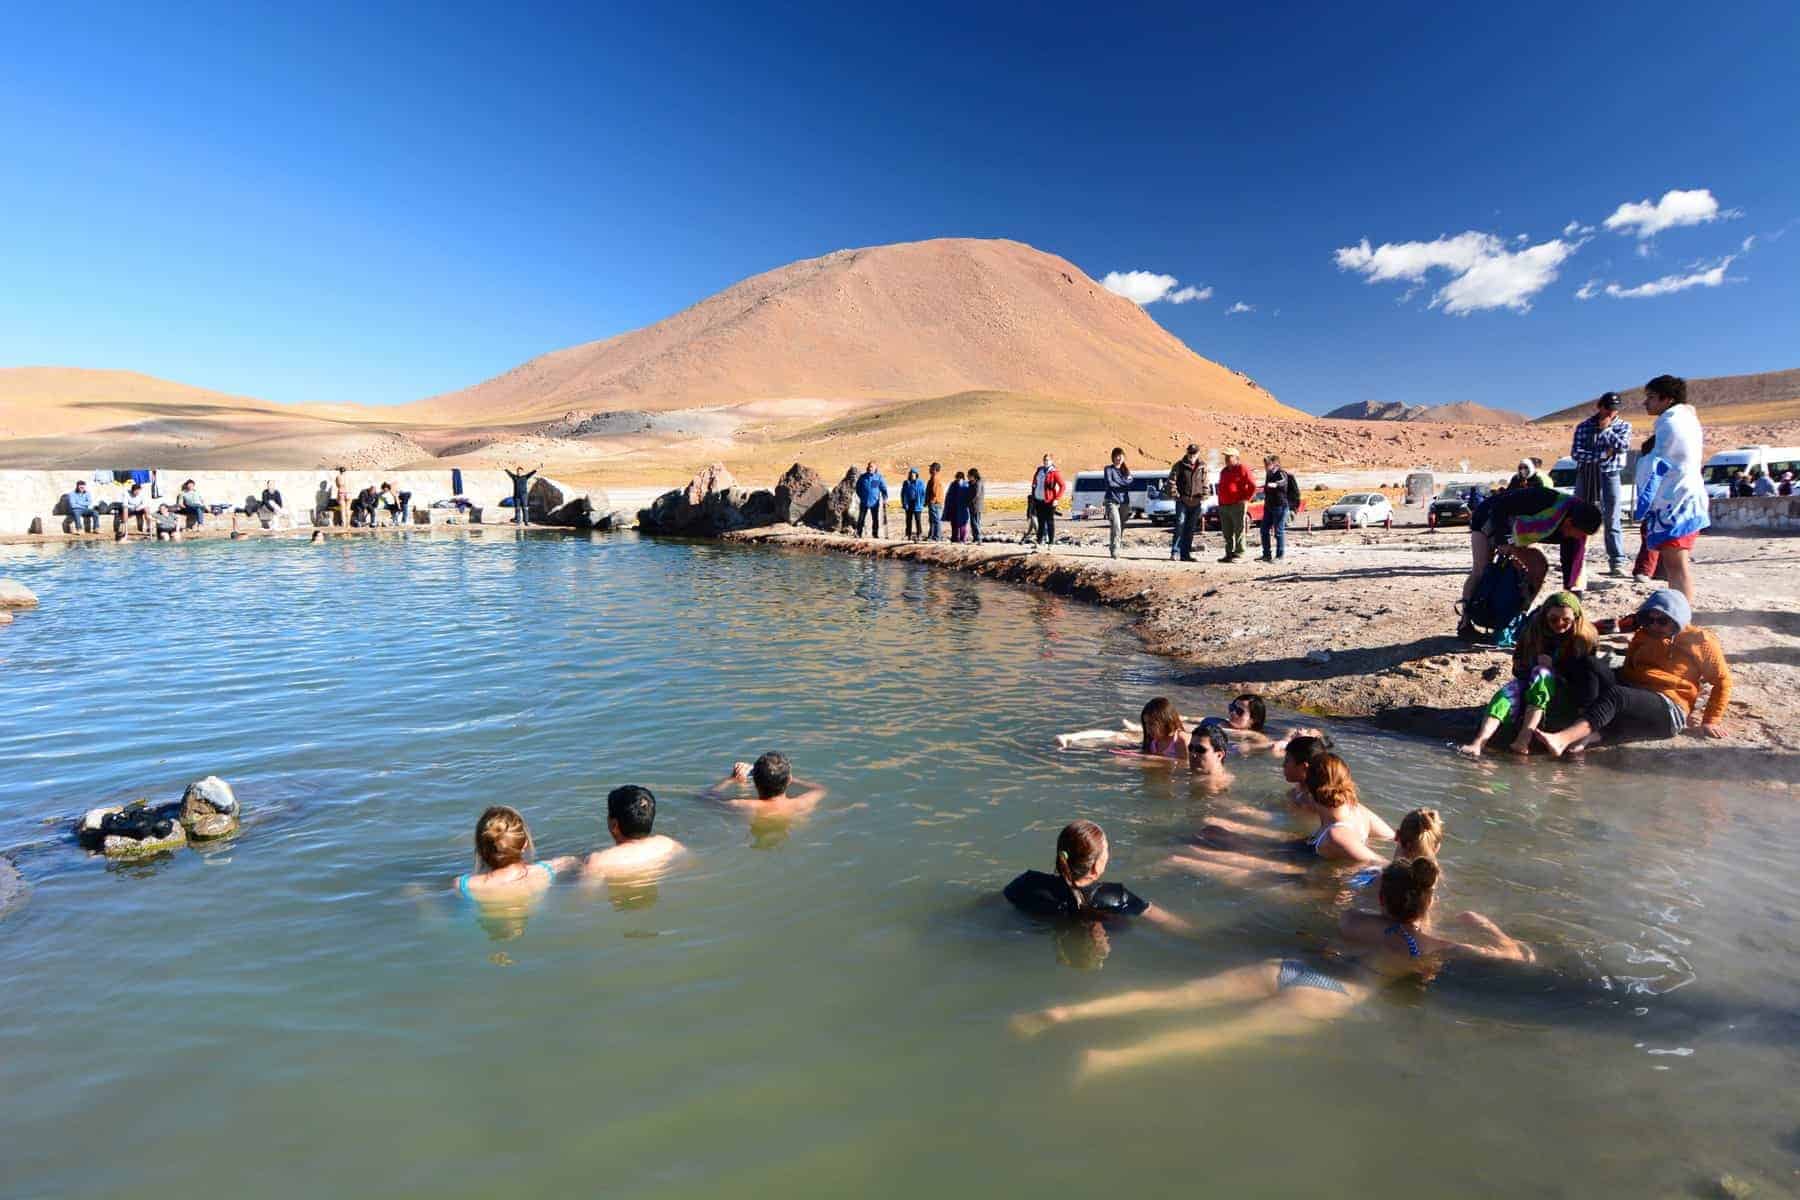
(1502, 599)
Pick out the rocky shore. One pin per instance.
(1360, 625)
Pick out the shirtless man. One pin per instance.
(778, 793)
(630, 812)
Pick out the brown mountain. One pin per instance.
(1766, 398)
(886, 323)
(1460, 413)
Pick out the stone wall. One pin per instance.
(25, 495)
(1763, 514)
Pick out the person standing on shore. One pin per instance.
(912, 504)
(1235, 489)
(871, 494)
(956, 508)
(977, 503)
(934, 501)
(1188, 476)
(342, 485)
(1281, 495)
(1118, 499)
(521, 481)
(1599, 449)
(1046, 490)
(1671, 495)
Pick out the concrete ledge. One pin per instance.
(1764, 514)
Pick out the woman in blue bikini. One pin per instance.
(503, 849)
(1289, 996)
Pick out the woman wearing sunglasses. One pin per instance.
(1667, 665)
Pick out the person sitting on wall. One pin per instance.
(82, 517)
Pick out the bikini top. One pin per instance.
(462, 881)
(1412, 943)
(1318, 839)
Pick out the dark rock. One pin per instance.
(131, 831)
(721, 508)
(760, 509)
(837, 512)
(798, 492)
(712, 478)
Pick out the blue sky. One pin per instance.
(375, 204)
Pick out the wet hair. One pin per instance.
(1538, 638)
(1078, 849)
(1160, 721)
(501, 838)
(1329, 783)
(1672, 388)
(771, 774)
(634, 808)
(1307, 747)
(1259, 712)
(1407, 888)
(1421, 832)
(1209, 736)
(1585, 516)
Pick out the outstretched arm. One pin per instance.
(1095, 737)
(1163, 919)
(805, 791)
(1495, 941)
(734, 782)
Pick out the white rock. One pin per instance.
(14, 594)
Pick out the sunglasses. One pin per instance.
(1235, 707)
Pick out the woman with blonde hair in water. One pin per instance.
(1343, 835)
(503, 852)
(1289, 996)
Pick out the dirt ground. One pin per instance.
(1360, 623)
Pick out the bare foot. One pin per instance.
(1521, 749)
(1033, 1023)
(1470, 750)
(1555, 743)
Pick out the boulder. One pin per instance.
(209, 809)
(12, 886)
(799, 490)
(837, 512)
(712, 478)
(760, 509)
(131, 831)
(14, 594)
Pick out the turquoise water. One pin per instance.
(811, 1010)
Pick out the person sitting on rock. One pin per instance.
(191, 504)
(1556, 638)
(630, 814)
(1667, 664)
(778, 793)
(503, 851)
(80, 503)
(134, 512)
(388, 503)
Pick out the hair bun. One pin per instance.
(1425, 872)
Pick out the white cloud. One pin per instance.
(1240, 307)
(1485, 274)
(1676, 208)
(1747, 243)
(1148, 287)
(1588, 290)
(1711, 277)
(1577, 229)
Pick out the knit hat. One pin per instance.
(1568, 600)
(1671, 604)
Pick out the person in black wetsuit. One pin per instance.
(521, 481)
(1074, 891)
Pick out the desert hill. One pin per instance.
(1769, 397)
(886, 323)
(1459, 413)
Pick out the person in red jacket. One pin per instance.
(1046, 490)
(1235, 489)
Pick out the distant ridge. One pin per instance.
(881, 324)
(1722, 399)
(1459, 413)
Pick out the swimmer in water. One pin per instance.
(1159, 733)
(630, 814)
(503, 851)
(1290, 996)
(778, 793)
(1345, 827)
(1074, 891)
(1206, 759)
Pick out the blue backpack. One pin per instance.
(1501, 601)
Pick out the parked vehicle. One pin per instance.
(1159, 502)
(1088, 498)
(1563, 475)
(1452, 505)
(1359, 510)
(1419, 487)
(1719, 469)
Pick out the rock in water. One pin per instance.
(797, 493)
(133, 831)
(712, 504)
(12, 887)
(14, 594)
(209, 809)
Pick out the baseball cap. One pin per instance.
(1192, 448)
(1609, 400)
(1230, 452)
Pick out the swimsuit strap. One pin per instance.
(462, 885)
(549, 870)
(1318, 839)
(1412, 943)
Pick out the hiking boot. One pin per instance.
(1615, 569)
(1229, 558)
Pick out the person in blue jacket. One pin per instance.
(871, 494)
(912, 503)
(82, 517)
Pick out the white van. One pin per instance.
(1563, 475)
(1722, 466)
(1088, 499)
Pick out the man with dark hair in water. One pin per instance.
(777, 791)
(630, 816)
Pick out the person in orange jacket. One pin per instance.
(1046, 490)
(1235, 489)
